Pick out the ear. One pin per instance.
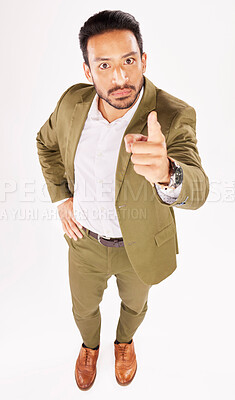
(144, 60)
(87, 72)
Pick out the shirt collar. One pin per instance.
(96, 115)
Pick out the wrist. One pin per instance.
(176, 176)
(166, 180)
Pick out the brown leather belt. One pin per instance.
(109, 242)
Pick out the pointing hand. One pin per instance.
(149, 153)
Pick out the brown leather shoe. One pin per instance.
(125, 362)
(85, 369)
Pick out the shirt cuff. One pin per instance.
(57, 203)
(168, 195)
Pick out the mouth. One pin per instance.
(121, 93)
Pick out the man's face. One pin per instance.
(116, 67)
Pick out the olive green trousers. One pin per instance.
(91, 264)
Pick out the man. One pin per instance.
(123, 153)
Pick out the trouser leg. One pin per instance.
(87, 286)
(134, 295)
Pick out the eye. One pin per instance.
(130, 60)
(104, 65)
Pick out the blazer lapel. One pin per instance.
(78, 120)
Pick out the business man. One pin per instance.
(123, 153)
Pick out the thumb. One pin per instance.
(154, 128)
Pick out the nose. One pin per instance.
(119, 77)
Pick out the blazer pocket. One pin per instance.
(165, 234)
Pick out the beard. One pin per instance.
(120, 103)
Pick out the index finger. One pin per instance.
(131, 138)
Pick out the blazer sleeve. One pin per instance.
(50, 157)
(181, 144)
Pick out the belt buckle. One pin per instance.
(115, 242)
(99, 237)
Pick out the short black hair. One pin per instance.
(108, 20)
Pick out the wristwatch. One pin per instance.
(176, 175)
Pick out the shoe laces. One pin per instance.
(122, 351)
(87, 357)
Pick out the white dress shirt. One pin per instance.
(95, 165)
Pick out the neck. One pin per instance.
(111, 113)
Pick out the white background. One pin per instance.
(185, 345)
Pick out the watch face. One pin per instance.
(179, 175)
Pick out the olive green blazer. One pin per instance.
(147, 223)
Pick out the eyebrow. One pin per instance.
(132, 53)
